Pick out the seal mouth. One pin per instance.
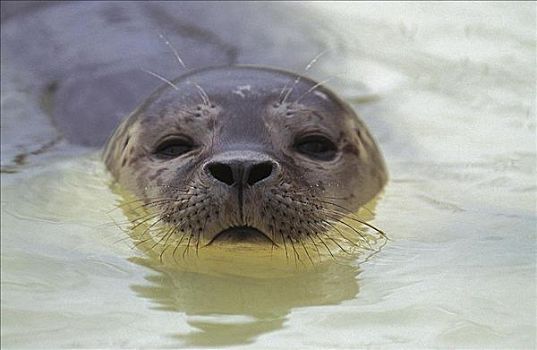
(241, 234)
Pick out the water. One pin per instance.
(449, 91)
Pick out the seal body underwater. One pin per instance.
(245, 153)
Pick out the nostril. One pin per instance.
(221, 172)
(259, 172)
(241, 172)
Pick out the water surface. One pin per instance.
(449, 92)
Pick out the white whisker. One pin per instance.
(316, 86)
(160, 77)
(175, 53)
(297, 80)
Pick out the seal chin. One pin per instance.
(241, 234)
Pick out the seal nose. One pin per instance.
(242, 172)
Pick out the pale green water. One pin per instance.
(448, 89)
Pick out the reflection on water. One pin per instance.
(228, 309)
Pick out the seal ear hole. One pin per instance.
(317, 147)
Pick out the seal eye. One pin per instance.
(174, 147)
(316, 147)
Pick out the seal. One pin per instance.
(246, 153)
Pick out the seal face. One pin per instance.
(246, 153)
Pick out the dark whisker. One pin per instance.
(340, 221)
(187, 245)
(334, 226)
(172, 232)
(315, 245)
(297, 257)
(181, 189)
(284, 245)
(178, 244)
(150, 227)
(155, 203)
(348, 212)
(336, 243)
(162, 238)
(141, 240)
(146, 219)
(306, 251)
(323, 243)
(124, 204)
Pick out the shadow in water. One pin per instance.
(225, 309)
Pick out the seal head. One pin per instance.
(246, 153)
